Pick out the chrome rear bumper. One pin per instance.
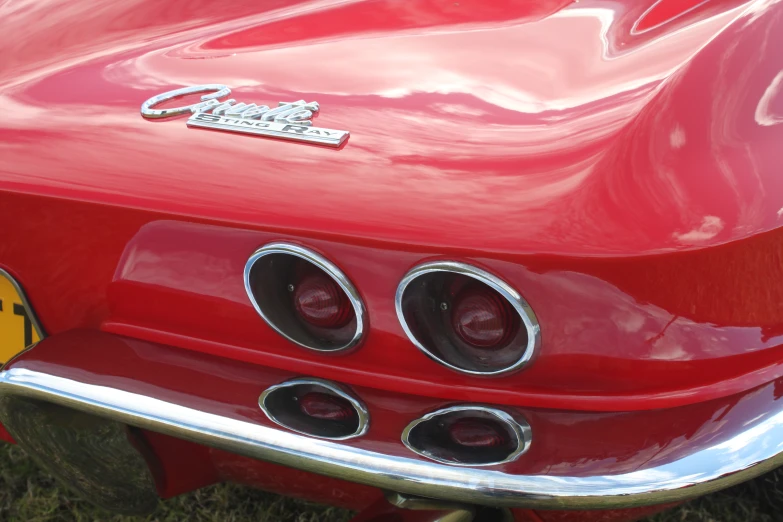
(733, 458)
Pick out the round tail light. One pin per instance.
(477, 433)
(482, 318)
(468, 435)
(323, 406)
(315, 407)
(305, 298)
(320, 301)
(466, 318)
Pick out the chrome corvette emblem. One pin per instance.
(288, 121)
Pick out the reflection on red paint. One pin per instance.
(626, 180)
(569, 443)
(379, 17)
(663, 11)
(5, 436)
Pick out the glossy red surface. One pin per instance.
(624, 180)
(616, 163)
(184, 466)
(567, 443)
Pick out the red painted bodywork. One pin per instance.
(566, 443)
(618, 164)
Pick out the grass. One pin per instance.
(28, 494)
(759, 500)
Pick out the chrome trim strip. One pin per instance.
(756, 449)
(520, 428)
(293, 131)
(30, 312)
(325, 265)
(512, 296)
(361, 409)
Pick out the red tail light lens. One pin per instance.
(321, 302)
(468, 435)
(482, 318)
(315, 407)
(325, 407)
(305, 298)
(466, 318)
(477, 433)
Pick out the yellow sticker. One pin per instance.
(18, 325)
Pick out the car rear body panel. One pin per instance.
(618, 164)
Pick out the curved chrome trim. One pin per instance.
(30, 313)
(148, 112)
(325, 265)
(521, 430)
(361, 409)
(512, 296)
(756, 449)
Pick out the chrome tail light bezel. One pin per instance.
(517, 427)
(326, 266)
(518, 303)
(362, 413)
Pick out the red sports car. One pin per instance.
(426, 259)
